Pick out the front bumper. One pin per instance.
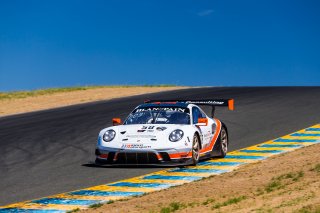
(143, 157)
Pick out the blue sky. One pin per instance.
(56, 43)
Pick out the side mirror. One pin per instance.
(116, 121)
(202, 122)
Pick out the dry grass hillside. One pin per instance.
(27, 101)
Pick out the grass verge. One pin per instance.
(48, 91)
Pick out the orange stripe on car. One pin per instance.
(103, 155)
(180, 155)
(214, 139)
(159, 156)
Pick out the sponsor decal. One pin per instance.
(141, 136)
(176, 109)
(206, 102)
(135, 146)
(207, 135)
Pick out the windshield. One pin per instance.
(159, 115)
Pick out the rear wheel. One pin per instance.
(223, 141)
(195, 150)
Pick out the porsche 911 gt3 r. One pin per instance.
(165, 132)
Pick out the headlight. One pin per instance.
(176, 135)
(109, 135)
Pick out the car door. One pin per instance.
(205, 131)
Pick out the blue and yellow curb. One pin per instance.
(137, 186)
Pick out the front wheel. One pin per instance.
(195, 150)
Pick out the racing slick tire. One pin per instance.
(223, 142)
(195, 150)
(220, 148)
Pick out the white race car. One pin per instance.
(165, 132)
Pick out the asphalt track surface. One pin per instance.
(47, 152)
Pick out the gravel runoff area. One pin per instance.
(288, 182)
(47, 101)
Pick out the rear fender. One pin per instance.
(216, 148)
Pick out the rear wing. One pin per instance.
(207, 102)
